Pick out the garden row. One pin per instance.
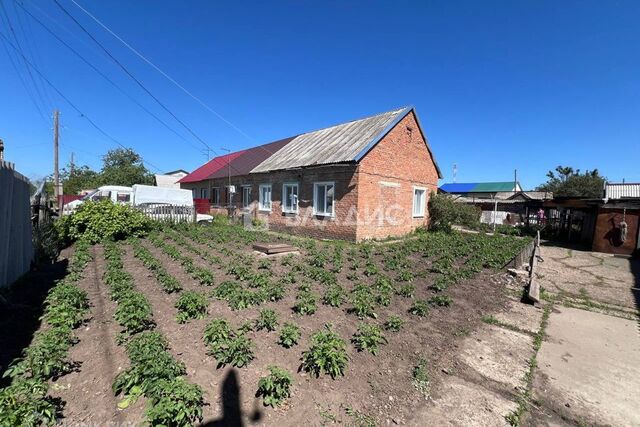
(25, 401)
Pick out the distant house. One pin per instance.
(368, 178)
(169, 179)
(482, 190)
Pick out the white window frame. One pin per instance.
(204, 193)
(316, 203)
(248, 201)
(194, 193)
(423, 207)
(215, 201)
(294, 209)
(261, 202)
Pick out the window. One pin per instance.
(323, 198)
(194, 193)
(290, 197)
(101, 194)
(204, 193)
(123, 197)
(265, 197)
(215, 196)
(419, 195)
(246, 196)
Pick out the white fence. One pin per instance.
(16, 247)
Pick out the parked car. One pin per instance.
(157, 202)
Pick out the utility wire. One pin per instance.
(104, 76)
(141, 56)
(164, 107)
(91, 122)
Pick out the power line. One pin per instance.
(218, 115)
(131, 75)
(104, 76)
(91, 122)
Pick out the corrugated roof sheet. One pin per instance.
(478, 187)
(622, 191)
(249, 159)
(336, 144)
(210, 167)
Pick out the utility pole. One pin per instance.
(228, 173)
(1, 150)
(56, 176)
(72, 166)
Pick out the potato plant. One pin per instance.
(327, 354)
(368, 337)
(363, 302)
(306, 303)
(268, 319)
(227, 346)
(440, 300)
(419, 308)
(394, 323)
(276, 387)
(289, 335)
(191, 305)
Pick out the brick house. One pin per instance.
(364, 179)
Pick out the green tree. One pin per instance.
(78, 178)
(568, 182)
(123, 166)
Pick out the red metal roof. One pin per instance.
(210, 167)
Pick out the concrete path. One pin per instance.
(589, 362)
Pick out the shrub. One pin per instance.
(368, 337)
(175, 402)
(305, 303)
(289, 335)
(419, 308)
(334, 295)
(97, 221)
(327, 354)
(191, 305)
(441, 300)
(275, 387)
(394, 323)
(444, 212)
(268, 320)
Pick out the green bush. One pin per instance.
(394, 323)
(275, 387)
(363, 300)
(191, 305)
(175, 402)
(445, 212)
(25, 403)
(268, 320)
(97, 221)
(327, 354)
(334, 295)
(289, 335)
(419, 308)
(305, 303)
(369, 338)
(228, 347)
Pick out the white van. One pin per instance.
(157, 202)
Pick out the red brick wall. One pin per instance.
(387, 176)
(605, 237)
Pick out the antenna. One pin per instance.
(455, 172)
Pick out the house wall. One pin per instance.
(607, 232)
(386, 177)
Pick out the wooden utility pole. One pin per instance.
(56, 175)
(73, 165)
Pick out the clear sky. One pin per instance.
(498, 85)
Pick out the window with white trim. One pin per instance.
(215, 196)
(265, 197)
(324, 198)
(419, 199)
(246, 196)
(290, 197)
(194, 193)
(204, 193)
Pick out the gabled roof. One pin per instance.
(479, 187)
(210, 167)
(347, 142)
(249, 159)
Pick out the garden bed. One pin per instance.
(439, 286)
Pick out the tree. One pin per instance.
(123, 166)
(567, 182)
(78, 178)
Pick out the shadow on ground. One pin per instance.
(21, 307)
(635, 269)
(232, 414)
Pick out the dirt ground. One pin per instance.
(589, 364)
(454, 340)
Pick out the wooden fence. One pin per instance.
(16, 246)
(169, 213)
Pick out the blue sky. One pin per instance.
(504, 85)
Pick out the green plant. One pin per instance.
(174, 402)
(419, 308)
(441, 300)
(305, 303)
(394, 323)
(360, 419)
(239, 353)
(334, 295)
(407, 290)
(191, 305)
(268, 319)
(289, 335)
(369, 338)
(227, 346)
(363, 302)
(421, 376)
(444, 212)
(134, 312)
(276, 387)
(25, 403)
(327, 354)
